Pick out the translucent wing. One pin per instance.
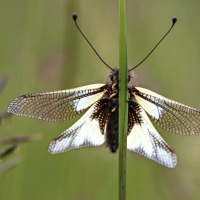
(84, 133)
(169, 115)
(146, 141)
(58, 105)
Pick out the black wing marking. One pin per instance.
(58, 105)
(84, 133)
(169, 115)
(146, 141)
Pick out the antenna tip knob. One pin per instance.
(74, 16)
(174, 19)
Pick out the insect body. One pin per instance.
(99, 123)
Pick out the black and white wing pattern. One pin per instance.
(146, 141)
(84, 133)
(168, 114)
(58, 105)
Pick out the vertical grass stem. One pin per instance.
(123, 95)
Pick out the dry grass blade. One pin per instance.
(9, 164)
(20, 138)
(3, 81)
(6, 151)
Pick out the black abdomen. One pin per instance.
(112, 131)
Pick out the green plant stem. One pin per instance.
(123, 95)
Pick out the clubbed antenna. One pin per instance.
(174, 20)
(74, 16)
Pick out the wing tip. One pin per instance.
(51, 146)
(13, 106)
(171, 162)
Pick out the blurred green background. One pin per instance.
(41, 50)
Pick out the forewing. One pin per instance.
(84, 133)
(169, 115)
(58, 105)
(146, 141)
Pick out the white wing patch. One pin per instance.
(146, 141)
(84, 133)
(151, 109)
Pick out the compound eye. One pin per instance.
(129, 78)
(111, 78)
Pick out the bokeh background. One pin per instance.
(41, 50)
